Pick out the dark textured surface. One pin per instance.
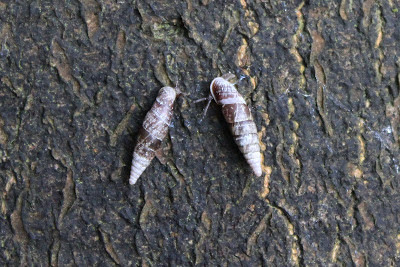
(77, 78)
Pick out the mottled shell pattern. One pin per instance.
(154, 129)
(241, 123)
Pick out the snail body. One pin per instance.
(153, 131)
(237, 114)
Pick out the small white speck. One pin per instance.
(388, 130)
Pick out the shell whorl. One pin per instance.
(154, 129)
(239, 117)
(225, 92)
(139, 164)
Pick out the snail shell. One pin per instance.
(154, 129)
(241, 123)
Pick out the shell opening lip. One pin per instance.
(169, 90)
(211, 89)
(167, 93)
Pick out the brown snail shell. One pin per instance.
(240, 120)
(154, 129)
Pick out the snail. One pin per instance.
(153, 131)
(237, 114)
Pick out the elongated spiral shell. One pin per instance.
(241, 123)
(154, 129)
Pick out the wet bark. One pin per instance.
(322, 80)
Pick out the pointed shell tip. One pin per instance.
(258, 172)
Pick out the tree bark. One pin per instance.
(321, 77)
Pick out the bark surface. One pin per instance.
(322, 79)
